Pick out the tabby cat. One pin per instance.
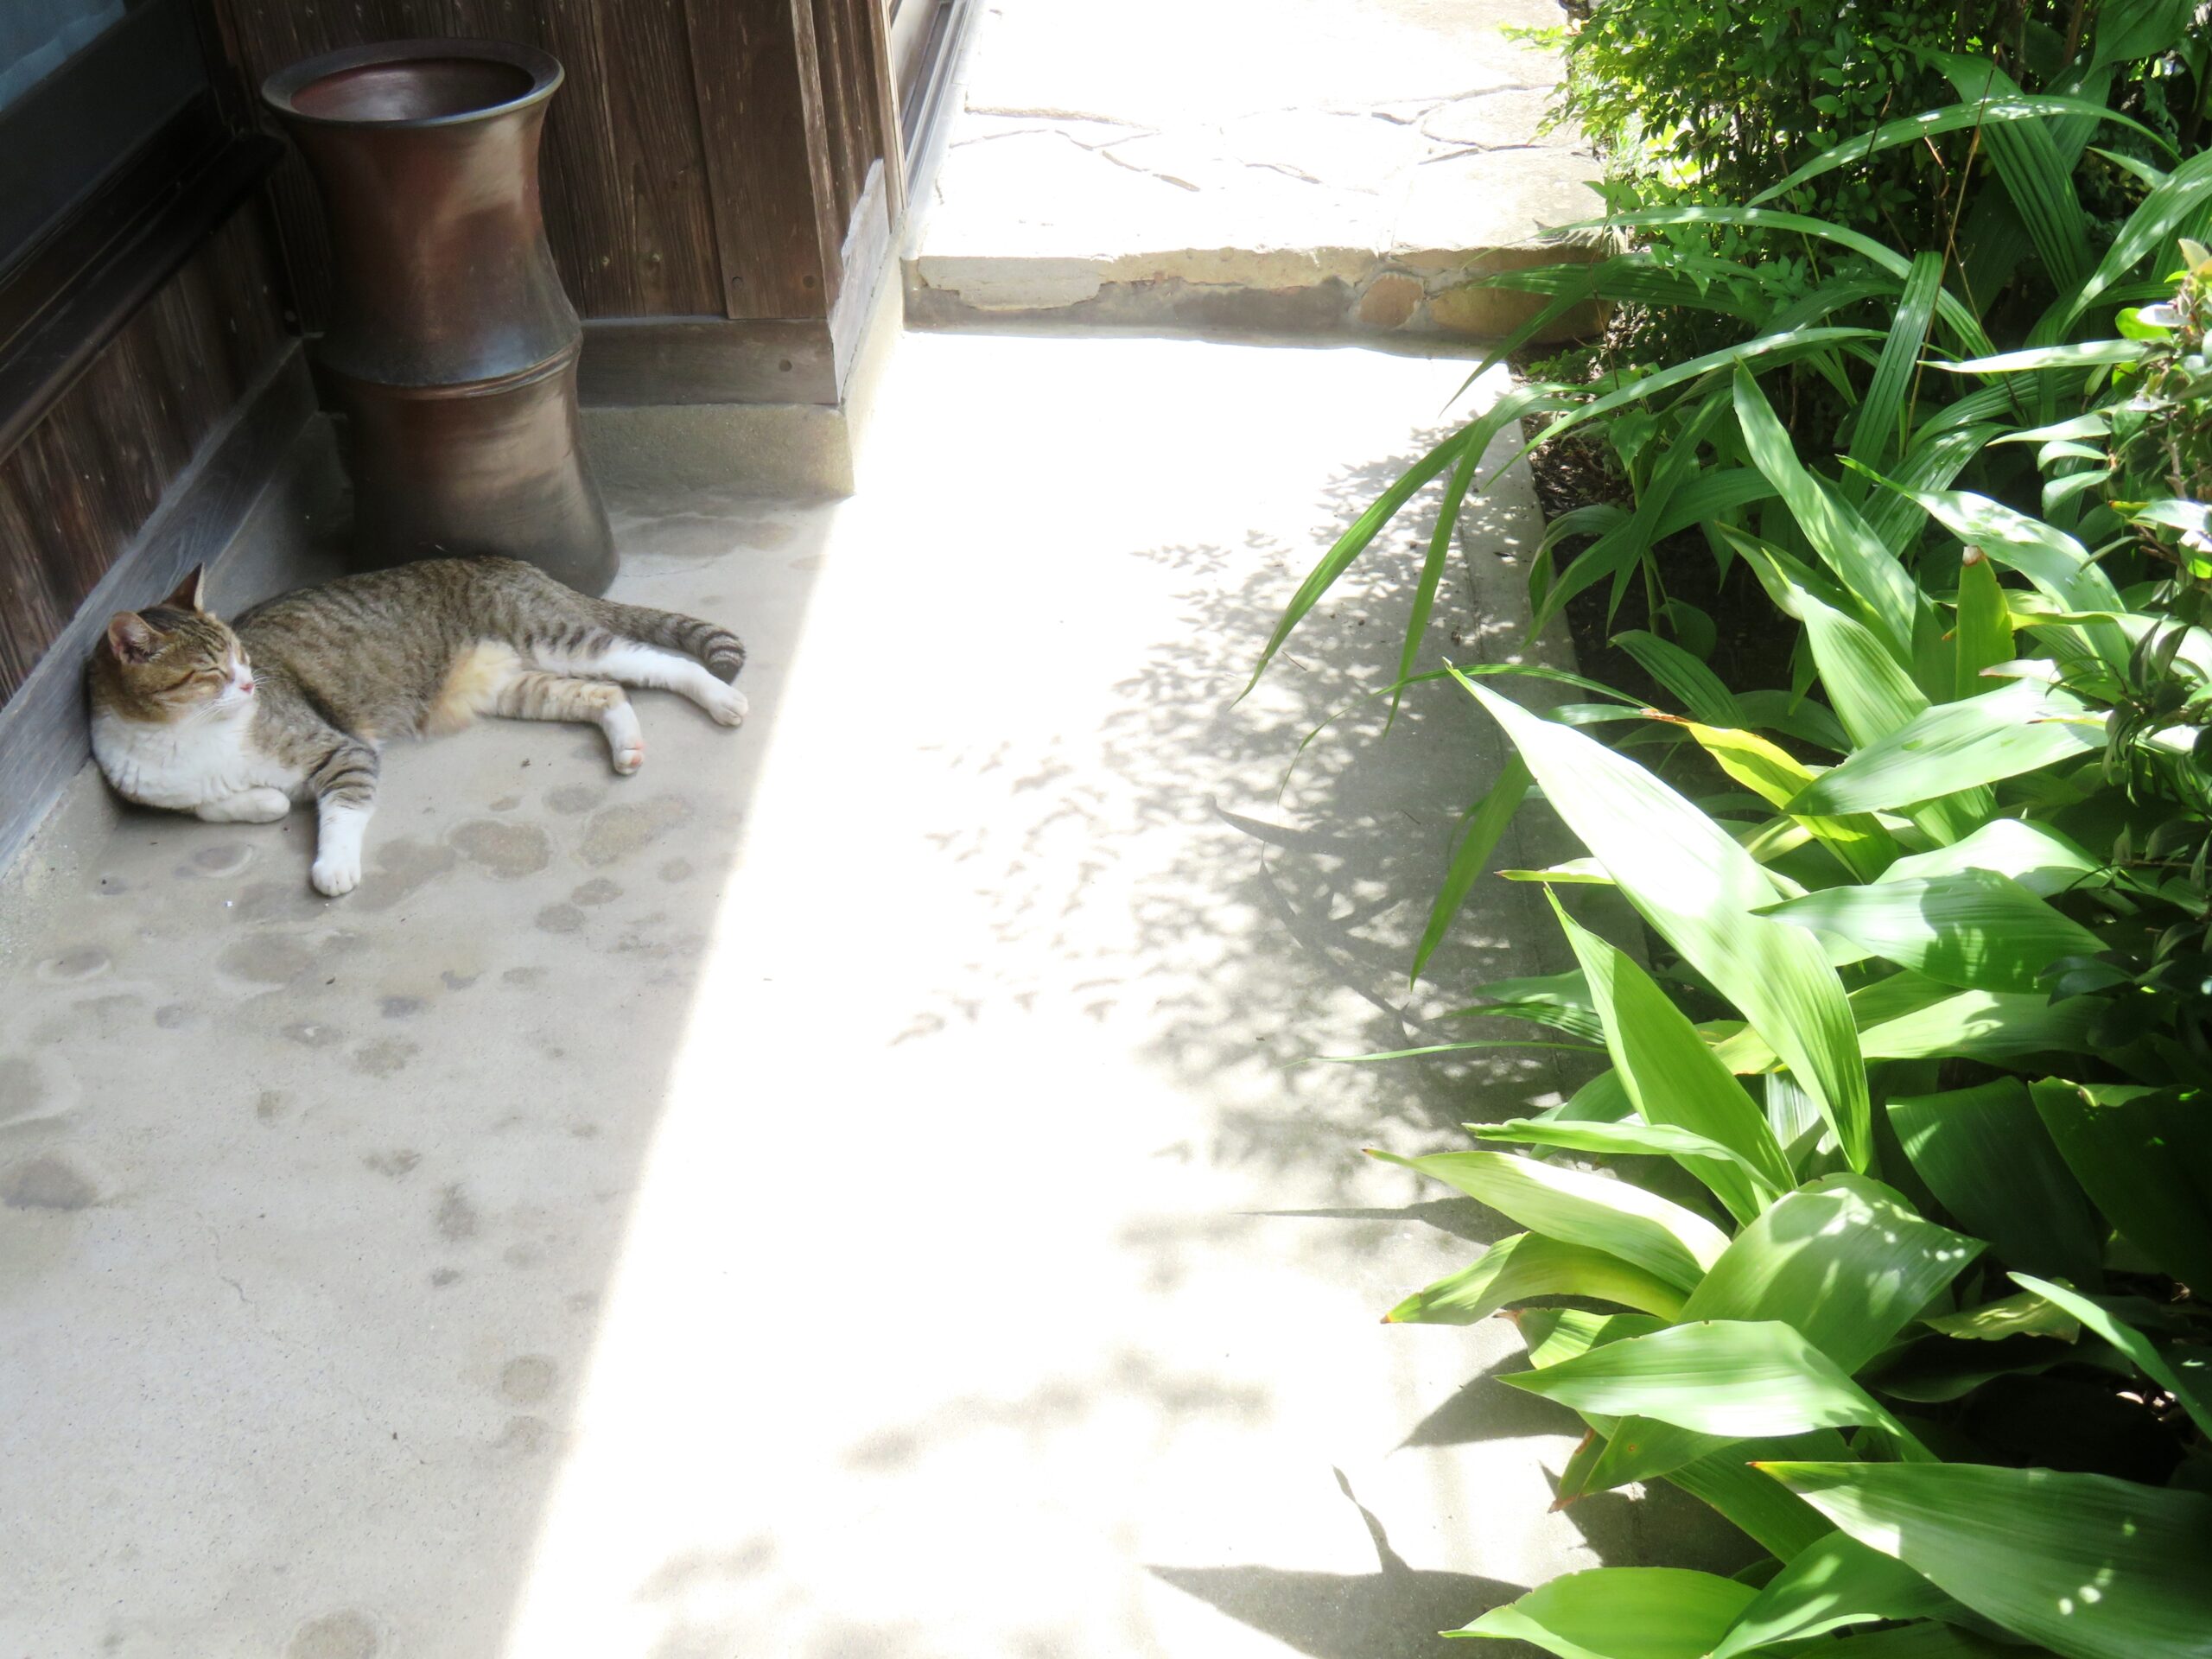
(236, 723)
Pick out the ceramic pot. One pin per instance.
(451, 350)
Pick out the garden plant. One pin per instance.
(1902, 1266)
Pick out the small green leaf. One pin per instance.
(1528, 1264)
(1640, 1228)
(1621, 1613)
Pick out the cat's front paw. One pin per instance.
(728, 705)
(335, 875)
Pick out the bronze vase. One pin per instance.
(451, 351)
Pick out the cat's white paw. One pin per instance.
(261, 806)
(335, 875)
(625, 738)
(728, 705)
(247, 806)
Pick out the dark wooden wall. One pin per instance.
(88, 476)
(703, 158)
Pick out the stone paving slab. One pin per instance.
(1309, 165)
(853, 1188)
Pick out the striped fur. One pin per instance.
(294, 701)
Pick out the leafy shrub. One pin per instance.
(1931, 961)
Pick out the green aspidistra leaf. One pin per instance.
(1621, 1613)
(2090, 1567)
(1529, 1264)
(1673, 1244)
(1700, 889)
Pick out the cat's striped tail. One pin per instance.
(722, 652)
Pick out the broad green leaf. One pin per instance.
(1440, 552)
(1561, 1001)
(2186, 1373)
(1779, 1521)
(1732, 1378)
(2017, 728)
(1845, 1260)
(1974, 929)
(1695, 686)
(1938, 1369)
(1672, 1077)
(1859, 842)
(1938, 456)
(2023, 1315)
(1993, 111)
(1779, 348)
(1552, 1334)
(1874, 697)
(1528, 1264)
(2090, 1567)
(2086, 354)
(2145, 1157)
(2165, 211)
(1880, 412)
(2048, 557)
(1964, 326)
(1987, 1158)
(1834, 1582)
(1694, 1151)
(1475, 437)
(1621, 1613)
(2003, 1028)
(1485, 828)
(1982, 634)
(2037, 856)
(2038, 178)
(1865, 567)
(1692, 882)
(1354, 542)
(1616, 1217)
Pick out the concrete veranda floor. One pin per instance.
(849, 1189)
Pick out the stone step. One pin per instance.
(1298, 167)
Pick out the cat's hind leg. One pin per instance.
(534, 695)
(633, 664)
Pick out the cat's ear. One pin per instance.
(190, 592)
(132, 638)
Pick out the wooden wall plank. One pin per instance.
(844, 113)
(623, 174)
(660, 154)
(874, 21)
(91, 474)
(760, 100)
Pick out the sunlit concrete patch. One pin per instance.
(1166, 163)
(855, 1186)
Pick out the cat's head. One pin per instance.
(173, 661)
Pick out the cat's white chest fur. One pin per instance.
(186, 765)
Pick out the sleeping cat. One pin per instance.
(295, 702)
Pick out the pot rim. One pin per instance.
(542, 68)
